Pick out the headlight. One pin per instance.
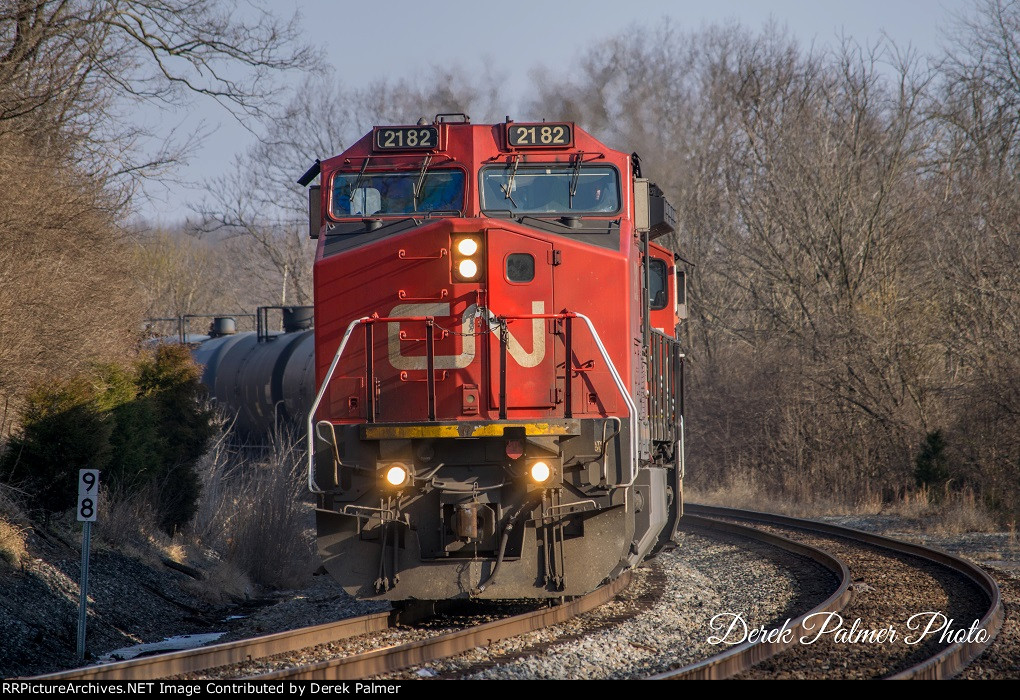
(396, 475)
(467, 258)
(540, 472)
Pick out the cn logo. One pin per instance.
(467, 353)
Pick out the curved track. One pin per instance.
(203, 658)
(194, 661)
(449, 644)
(947, 661)
(743, 656)
(561, 650)
(944, 663)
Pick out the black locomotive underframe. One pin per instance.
(472, 507)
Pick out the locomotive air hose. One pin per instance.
(526, 506)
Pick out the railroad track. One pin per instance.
(741, 657)
(931, 660)
(633, 642)
(449, 644)
(360, 665)
(203, 658)
(238, 659)
(944, 661)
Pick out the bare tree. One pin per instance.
(66, 295)
(854, 218)
(74, 67)
(795, 173)
(979, 105)
(71, 72)
(975, 244)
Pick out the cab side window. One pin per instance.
(657, 271)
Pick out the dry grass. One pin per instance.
(959, 512)
(223, 583)
(253, 510)
(12, 543)
(13, 529)
(250, 529)
(128, 524)
(746, 493)
(939, 513)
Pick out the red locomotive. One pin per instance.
(500, 388)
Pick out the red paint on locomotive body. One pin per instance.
(483, 256)
(410, 274)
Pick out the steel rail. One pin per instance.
(743, 656)
(204, 658)
(956, 656)
(450, 644)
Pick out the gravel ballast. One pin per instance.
(630, 638)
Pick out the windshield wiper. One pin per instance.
(574, 177)
(416, 193)
(509, 186)
(361, 176)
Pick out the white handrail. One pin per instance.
(312, 486)
(680, 463)
(631, 407)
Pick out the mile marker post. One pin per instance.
(88, 504)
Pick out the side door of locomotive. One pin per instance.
(520, 275)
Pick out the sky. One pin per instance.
(367, 42)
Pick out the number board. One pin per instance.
(544, 135)
(406, 138)
(88, 495)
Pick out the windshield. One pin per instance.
(371, 193)
(554, 188)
